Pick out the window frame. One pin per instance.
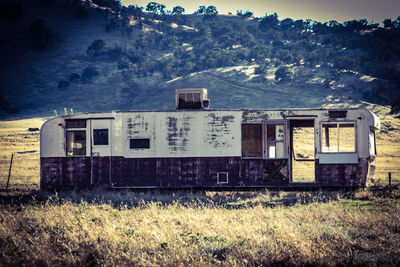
(338, 122)
(94, 139)
(266, 141)
(66, 142)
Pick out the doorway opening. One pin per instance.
(302, 156)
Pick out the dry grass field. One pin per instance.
(151, 228)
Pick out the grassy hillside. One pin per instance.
(89, 57)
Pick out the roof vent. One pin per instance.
(195, 98)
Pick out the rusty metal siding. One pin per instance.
(68, 173)
(342, 174)
(65, 173)
(134, 172)
(101, 170)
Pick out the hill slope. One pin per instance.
(90, 58)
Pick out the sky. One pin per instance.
(320, 10)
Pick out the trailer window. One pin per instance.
(275, 140)
(100, 137)
(76, 143)
(139, 143)
(372, 144)
(252, 140)
(338, 137)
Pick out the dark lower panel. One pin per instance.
(224, 172)
(65, 173)
(342, 174)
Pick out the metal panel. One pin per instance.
(338, 158)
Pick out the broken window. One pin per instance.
(252, 141)
(275, 140)
(76, 143)
(139, 143)
(100, 137)
(338, 137)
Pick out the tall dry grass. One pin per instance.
(180, 229)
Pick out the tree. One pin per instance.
(97, 48)
(248, 13)
(283, 74)
(201, 10)
(388, 23)
(268, 22)
(211, 10)
(178, 10)
(88, 73)
(287, 24)
(156, 8)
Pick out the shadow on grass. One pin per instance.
(188, 198)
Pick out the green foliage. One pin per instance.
(201, 10)
(155, 8)
(262, 69)
(269, 22)
(74, 77)
(178, 10)
(246, 14)
(89, 73)
(211, 10)
(124, 63)
(96, 48)
(283, 73)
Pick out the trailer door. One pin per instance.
(100, 148)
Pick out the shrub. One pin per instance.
(97, 48)
(261, 69)
(124, 63)
(283, 74)
(88, 73)
(74, 77)
(63, 84)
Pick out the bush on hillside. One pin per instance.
(283, 74)
(88, 73)
(74, 77)
(97, 48)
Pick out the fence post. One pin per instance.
(9, 171)
(390, 178)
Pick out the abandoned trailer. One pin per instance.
(195, 146)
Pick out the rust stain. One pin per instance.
(178, 133)
(219, 129)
